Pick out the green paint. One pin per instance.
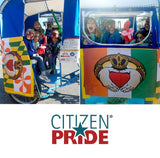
(158, 84)
(26, 62)
(149, 60)
(5, 79)
(21, 48)
(14, 44)
(9, 85)
(24, 53)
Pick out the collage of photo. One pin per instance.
(71, 52)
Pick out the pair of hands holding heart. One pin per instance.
(120, 80)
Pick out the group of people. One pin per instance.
(43, 47)
(108, 34)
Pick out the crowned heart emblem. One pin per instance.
(124, 71)
(13, 65)
(119, 79)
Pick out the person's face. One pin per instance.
(36, 38)
(91, 26)
(111, 28)
(41, 36)
(30, 36)
(147, 27)
(49, 27)
(37, 26)
(54, 39)
(55, 36)
(139, 37)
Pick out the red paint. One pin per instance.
(119, 79)
(9, 65)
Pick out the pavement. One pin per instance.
(64, 95)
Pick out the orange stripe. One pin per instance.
(92, 85)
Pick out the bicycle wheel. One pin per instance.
(27, 100)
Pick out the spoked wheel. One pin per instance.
(27, 100)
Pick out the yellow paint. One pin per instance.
(22, 43)
(14, 49)
(158, 90)
(25, 57)
(132, 65)
(16, 39)
(106, 64)
(32, 81)
(6, 76)
(158, 101)
(4, 71)
(8, 90)
(20, 53)
(84, 96)
(10, 81)
(154, 100)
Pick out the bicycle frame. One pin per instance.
(58, 80)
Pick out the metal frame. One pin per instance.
(66, 80)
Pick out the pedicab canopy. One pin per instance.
(17, 67)
(125, 70)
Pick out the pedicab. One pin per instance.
(120, 56)
(21, 79)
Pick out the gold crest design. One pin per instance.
(119, 61)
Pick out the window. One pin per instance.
(117, 28)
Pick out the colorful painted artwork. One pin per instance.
(17, 67)
(119, 73)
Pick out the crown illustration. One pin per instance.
(119, 61)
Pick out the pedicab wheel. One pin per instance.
(27, 100)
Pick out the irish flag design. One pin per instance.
(119, 72)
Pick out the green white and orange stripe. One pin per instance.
(92, 87)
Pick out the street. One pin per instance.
(64, 95)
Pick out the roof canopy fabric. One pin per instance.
(118, 3)
(15, 11)
(33, 7)
(13, 18)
